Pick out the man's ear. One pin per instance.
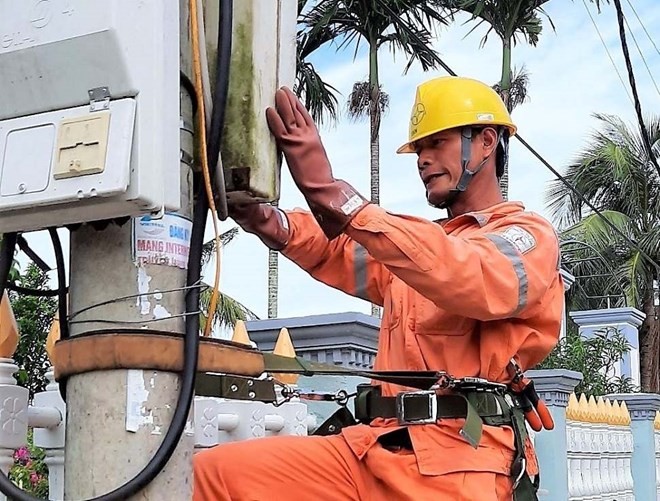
(489, 138)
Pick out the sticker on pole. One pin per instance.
(164, 241)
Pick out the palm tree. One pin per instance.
(511, 20)
(318, 95)
(229, 311)
(615, 173)
(401, 25)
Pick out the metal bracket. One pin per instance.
(99, 99)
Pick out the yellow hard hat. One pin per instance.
(447, 102)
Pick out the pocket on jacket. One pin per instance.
(432, 320)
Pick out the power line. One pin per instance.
(561, 178)
(593, 21)
(643, 27)
(631, 76)
(632, 34)
(584, 200)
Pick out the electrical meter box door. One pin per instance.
(263, 59)
(89, 110)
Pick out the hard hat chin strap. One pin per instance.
(467, 174)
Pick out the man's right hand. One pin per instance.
(267, 222)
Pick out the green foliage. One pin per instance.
(14, 272)
(228, 310)
(595, 357)
(401, 25)
(616, 174)
(29, 471)
(509, 19)
(34, 316)
(319, 97)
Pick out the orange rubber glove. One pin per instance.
(267, 222)
(332, 201)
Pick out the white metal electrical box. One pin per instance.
(89, 110)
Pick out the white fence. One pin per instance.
(600, 446)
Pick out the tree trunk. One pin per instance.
(374, 129)
(649, 349)
(505, 86)
(273, 279)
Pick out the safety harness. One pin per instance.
(440, 396)
(475, 400)
(234, 371)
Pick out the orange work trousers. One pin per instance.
(290, 468)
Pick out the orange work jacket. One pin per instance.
(463, 295)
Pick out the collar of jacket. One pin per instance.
(482, 217)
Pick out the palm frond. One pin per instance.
(228, 312)
(509, 19)
(405, 25)
(517, 92)
(208, 248)
(598, 283)
(360, 98)
(595, 231)
(649, 243)
(633, 273)
(320, 98)
(613, 171)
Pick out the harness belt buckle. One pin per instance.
(417, 407)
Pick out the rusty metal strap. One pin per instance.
(149, 351)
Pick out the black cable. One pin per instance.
(190, 347)
(61, 284)
(28, 291)
(561, 178)
(32, 292)
(25, 247)
(62, 300)
(190, 356)
(6, 258)
(187, 84)
(584, 200)
(631, 76)
(222, 68)
(641, 54)
(607, 51)
(643, 27)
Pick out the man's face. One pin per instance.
(439, 163)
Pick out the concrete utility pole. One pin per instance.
(117, 419)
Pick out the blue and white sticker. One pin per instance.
(163, 241)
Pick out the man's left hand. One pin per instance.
(332, 201)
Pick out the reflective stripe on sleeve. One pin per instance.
(360, 268)
(512, 253)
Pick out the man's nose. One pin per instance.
(423, 161)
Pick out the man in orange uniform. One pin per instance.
(465, 295)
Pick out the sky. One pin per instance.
(571, 78)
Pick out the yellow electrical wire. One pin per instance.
(201, 118)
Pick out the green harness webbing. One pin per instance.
(477, 409)
(277, 364)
